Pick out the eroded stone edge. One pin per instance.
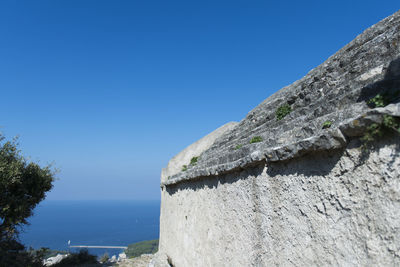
(332, 139)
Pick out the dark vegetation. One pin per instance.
(20, 257)
(256, 139)
(23, 185)
(193, 161)
(389, 123)
(377, 101)
(144, 247)
(383, 99)
(238, 147)
(283, 111)
(375, 130)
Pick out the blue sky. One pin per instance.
(111, 90)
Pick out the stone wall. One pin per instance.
(305, 194)
(328, 208)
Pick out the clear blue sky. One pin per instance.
(111, 90)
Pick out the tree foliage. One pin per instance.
(23, 185)
(144, 247)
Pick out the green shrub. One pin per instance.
(384, 99)
(388, 122)
(372, 131)
(238, 147)
(326, 124)
(23, 185)
(144, 247)
(184, 168)
(378, 101)
(283, 111)
(375, 130)
(391, 122)
(193, 161)
(256, 139)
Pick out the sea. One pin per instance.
(91, 223)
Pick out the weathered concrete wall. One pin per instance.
(329, 208)
(305, 195)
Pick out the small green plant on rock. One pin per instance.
(375, 130)
(378, 101)
(238, 147)
(256, 139)
(371, 133)
(193, 161)
(384, 99)
(391, 122)
(184, 168)
(283, 111)
(326, 124)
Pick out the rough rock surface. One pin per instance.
(323, 209)
(335, 91)
(306, 195)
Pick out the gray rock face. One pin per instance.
(299, 189)
(335, 91)
(331, 208)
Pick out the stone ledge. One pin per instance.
(335, 138)
(183, 158)
(337, 91)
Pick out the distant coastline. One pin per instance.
(92, 222)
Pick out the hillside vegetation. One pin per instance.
(144, 247)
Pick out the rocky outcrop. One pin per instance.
(335, 91)
(309, 177)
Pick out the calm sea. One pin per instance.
(112, 223)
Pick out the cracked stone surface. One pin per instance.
(305, 195)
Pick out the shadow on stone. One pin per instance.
(313, 164)
(389, 85)
(212, 182)
(317, 163)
